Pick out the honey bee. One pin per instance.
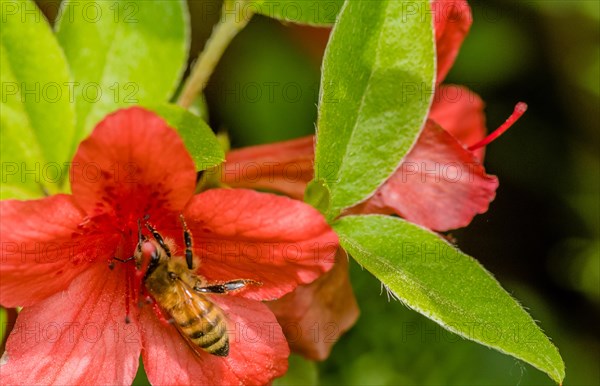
(181, 293)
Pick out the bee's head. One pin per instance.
(148, 256)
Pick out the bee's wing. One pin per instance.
(200, 321)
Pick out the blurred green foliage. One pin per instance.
(263, 90)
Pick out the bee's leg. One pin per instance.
(233, 285)
(187, 238)
(159, 239)
(124, 260)
(111, 265)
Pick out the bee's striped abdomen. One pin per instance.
(203, 324)
(183, 294)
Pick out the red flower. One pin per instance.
(441, 183)
(314, 316)
(56, 253)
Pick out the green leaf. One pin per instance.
(37, 120)
(312, 12)
(378, 73)
(317, 195)
(434, 278)
(199, 139)
(122, 53)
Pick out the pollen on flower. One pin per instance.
(519, 110)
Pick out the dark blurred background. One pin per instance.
(541, 236)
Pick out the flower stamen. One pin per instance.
(127, 295)
(519, 110)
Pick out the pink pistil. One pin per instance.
(520, 109)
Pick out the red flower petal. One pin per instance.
(314, 316)
(75, 337)
(257, 349)
(41, 249)
(282, 167)
(452, 20)
(133, 164)
(440, 184)
(460, 112)
(243, 234)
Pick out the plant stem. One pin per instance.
(233, 21)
